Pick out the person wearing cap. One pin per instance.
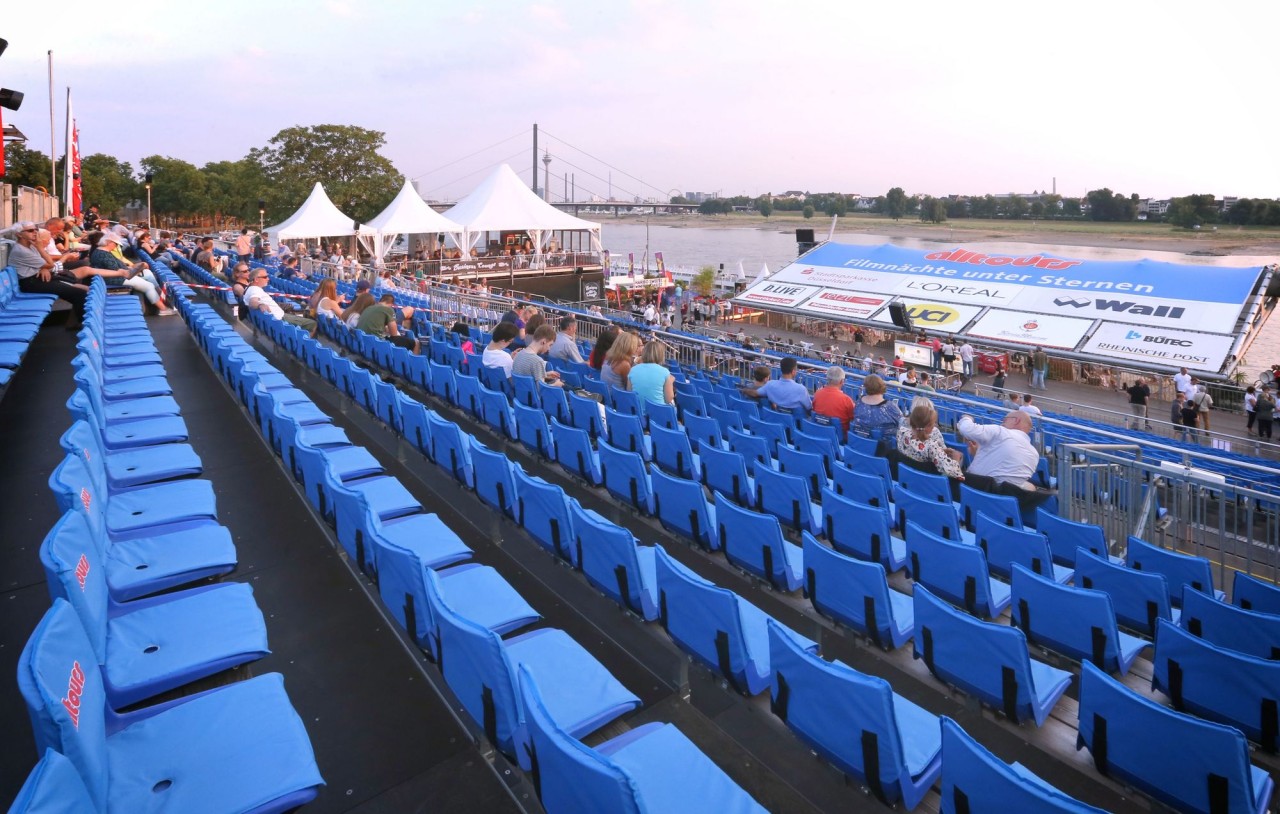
(36, 271)
(104, 263)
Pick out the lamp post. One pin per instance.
(262, 213)
(148, 178)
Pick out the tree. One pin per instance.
(1052, 204)
(233, 189)
(1037, 209)
(25, 167)
(764, 205)
(177, 187)
(713, 206)
(704, 282)
(1015, 206)
(680, 199)
(107, 182)
(1193, 211)
(1071, 207)
(895, 203)
(958, 207)
(807, 211)
(344, 158)
(838, 205)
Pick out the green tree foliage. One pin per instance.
(1052, 204)
(714, 206)
(1071, 207)
(957, 207)
(344, 158)
(837, 205)
(233, 189)
(108, 182)
(807, 211)
(177, 187)
(764, 205)
(26, 167)
(1105, 205)
(895, 203)
(1193, 211)
(1254, 212)
(932, 210)
(1015, 206)
(704, 282)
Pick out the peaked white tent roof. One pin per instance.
(317, 217)
(408, 214)
(502, 202)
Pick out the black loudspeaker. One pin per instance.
(262, 205)
(1273, 287)
(148, 178)
(804, 235)
(578, 270)
(898, 313)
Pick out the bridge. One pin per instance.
(595, 207)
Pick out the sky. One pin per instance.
(728, 96)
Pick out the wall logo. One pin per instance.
(979, 259)
(1072, 301)
(1123, 307)
(1158, 340)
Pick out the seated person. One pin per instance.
(875, 416)
(1002, 452)
(495, 353)
(566, 346)
(326, 300)
(463, 330)
(832, 402)
(36, 271)
(529, 362)
(256, 297)
(618, 361)
(363, 300)
(240, 284)
(785, 393)
(380, 320)
(651, 380)
(920, 440)
(103, 262)
(207, 260)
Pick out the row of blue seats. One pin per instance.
(112, 639)
(535, 691)
(20, 318)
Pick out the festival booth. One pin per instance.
(1139, 313)
(317, 217)
(408, 214)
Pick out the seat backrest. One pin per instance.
(726, 418)
(725, 471)
(807, 465)
(532, 429)
(681, 505)
(624, 475)
(973, 779)
(852, 591)
(1250, 632)
(847, 715)
(495, 410)
(62, 686)
(1138, 597)
(495, 483)
(625, 401)
(624, 431)
(607, 555)
(495, 378)
(1252, 593)
(672, 451)
(1179, 569)
(417, 429)
(956, 571)
(664, 415)
(468, 392)
(572, 776)
(861, 487)
(1078, 622)
(1001, 508)
(703, 431)
(857, 529)
(987, 659)
(543, 509)
(926, 485)
(1005, 545)
(573, 451)
(701, 617)
(526, 390)
(784, 496)
(752, 447)
(690, 404)
(1146, 744)
(1065, 536)
(74, 571)
(53, 787)
(751, 540)
(449, 447)
(772, 432)
(931, 515)
(554, 402)
(585, 414)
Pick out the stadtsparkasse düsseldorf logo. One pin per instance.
(807, 271)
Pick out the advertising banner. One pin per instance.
(783, 295)
(936, 316)
(844, 303)
(1031, 329)
(1160, 346)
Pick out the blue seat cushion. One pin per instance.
(133, 467)
(161, 505)
(144, 565)
(921, 735)
(479, 593)
(145, 432)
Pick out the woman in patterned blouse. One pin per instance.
(920, 440)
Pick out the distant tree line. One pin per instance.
(358, 179)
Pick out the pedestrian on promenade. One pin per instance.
(1190, 417)
(1204, 403)
(1250, 408)
(1175, 415)
(1266, 411)
(1039, 368)
(1139, 399)
(997, 382)
(966, 359)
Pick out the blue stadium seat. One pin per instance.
(495, 410)
(417, 427)
(353, 501)
(673, 453)
(754, 542)
(1076, 622)
(1145, 744)
(856, 593)
(1005, 545)
(574, 452)
(252, 753)
(1065, 536)
(1245, 631)
(1252, 593)
(861, 531)
(495, 482)
(1178, 569)
(468, 390)
(786, 497)
(615, 562)
(955, 571)
(726, 418)
(495, 378)
(626, 402)
(554, 401)
(926, 485)
(773, 433)
(625, 431)
(584, 413)
(533, 431)
(704, 432)
(868, 463)
(625, 476)
(479, 667)
(868, 489)
(754, 449)
(442, 382)
(449, 448)
(690, 404)
(543, 509)
(1001, 508)
(650, 768)
(139, 510)
(807, 465)
(973, 779)
(823, 445)
(681, 506)
(937, 518)
(132, 467)
(986, 659)
(856, 721)
(725, 472)
(717, 627)
(664, 415)
(1139, 597)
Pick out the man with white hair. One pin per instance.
(1002, 452)
(36, 271)
(832, 402)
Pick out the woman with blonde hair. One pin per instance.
(651, 380)
(920, 440)
(619, 359)
(327, 299)
(352, 315)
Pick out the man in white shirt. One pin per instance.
(1029, 408)
(966, 358)
(256, 297)
(1002, 451)
(1182, 381)
(566, 344)
(495, 353)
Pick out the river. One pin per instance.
(699, 246)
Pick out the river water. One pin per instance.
(699, 246)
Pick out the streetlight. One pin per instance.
(262, 213)
(148, 178)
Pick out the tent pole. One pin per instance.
(534, 185)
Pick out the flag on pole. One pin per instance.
(73, 196)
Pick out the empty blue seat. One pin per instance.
(861, 531)
(138, 510)
(532, 429)
(495, 410)
(1073, 621)
(973, 780)
(1249, 632)
(823, 445)
(1065, 536)
(650, 768)
(681, 505)
(1001, 508)
(417, 428)
(754, 449)
(1178, 569)
(704, 431)
(442, 382)
(955, 571)
(1139, 598)
(725, 471)
(856, 721)
(690, 404)
(868, 489)
(615, 562)
(626, 432)
(554, 402)
(673, 452)
(449, 448)
(1146, 745)
(786, 497)
(574, 452)
(479, 666)
(543, 509)
(664, 415)
(625, 476)
(468, 391)
(726, 418)
(252, 752)
(1252, 593)
(584, 413)
(717, 627)
(494, 480)
(986, 659)
(626, 401)
(856, 593)
(807, 465)
(1005, 545)
(868, 463)
(131, 467)
(773, 433)
(931, 515)
(754, 542)
(927, 485)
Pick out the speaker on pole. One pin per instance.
(898, 314)
(804, 241)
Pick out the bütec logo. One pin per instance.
(1133, 335)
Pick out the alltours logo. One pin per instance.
(75, 688)
(979, 259)
(82, 571)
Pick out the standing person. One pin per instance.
(1139, 399)
(949, 355)
(966, 358)
(1265, 411)
(651, 380)
(1175, 415)
(1182, 381)
(244, 246)
(1250, 408)
(997, 381)
(1190, 417)
(1039, 368)
(832, 402)
(1204, 403)
(935, 345)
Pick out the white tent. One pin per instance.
(408, 214)
(317, 217)
(504, 203)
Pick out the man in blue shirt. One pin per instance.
(785, 393)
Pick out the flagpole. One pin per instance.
(53, 149)
(66, 170)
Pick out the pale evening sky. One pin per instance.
(734, 96)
